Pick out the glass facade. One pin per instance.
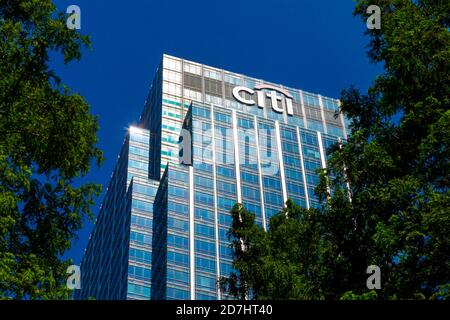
(162, 230)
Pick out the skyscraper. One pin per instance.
(207, 139)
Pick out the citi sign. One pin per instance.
(260, 96)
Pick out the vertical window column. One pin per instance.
(281, 162)
(300, 148)
(216, 219)
(258, 157)
(322, 113)
(321, 150)
(191, 231)
(236, 156)
(341, 117)
(302, 104)
(322, 156)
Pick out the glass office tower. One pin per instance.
(207, 139)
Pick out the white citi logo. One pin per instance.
(279, 102)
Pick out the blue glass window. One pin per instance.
(226, 251)
(178, 175)
(309, 138)
(206, 282)
(177, 207)
(245, 123)
(139, 290)
(250, 178)
(201, 112)
(174, 223)
(142, 205)
(293, 174)
(299, 201)
(204, 296)
(139, 151)
(222, 117)
(177, 258)
(178, 192)
(225, 203)
(205, 247)
(295, 189)
(290, 147)
(289, 135)
(311, 152)
(205, 198)
(149, 191)
(315, 125)
(311, 99)
(177, 276)
(177, 241)
(204, 230)
(271, 183)
(203, 182)
(251, 193)
(139, 138)
(273, 198)
(200, 165)
(141, 221)
(252, 207)
(205, 214)
(270, 212)
(205, 264)
(330, 105)
(312, 165)
(312, 179)
(224, 171)
(178, 294)
(291, 161)
(140, 238)
(138, 165)
(225, 219)
(139, 272)
(334, 130)
(225, 269)
(140, 255)
(223, 234)
(223, 186)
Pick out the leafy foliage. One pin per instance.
(396, 214)
(47, 139)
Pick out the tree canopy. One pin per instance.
(396, 213)
(47, 140)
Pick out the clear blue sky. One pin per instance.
(313, 45)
